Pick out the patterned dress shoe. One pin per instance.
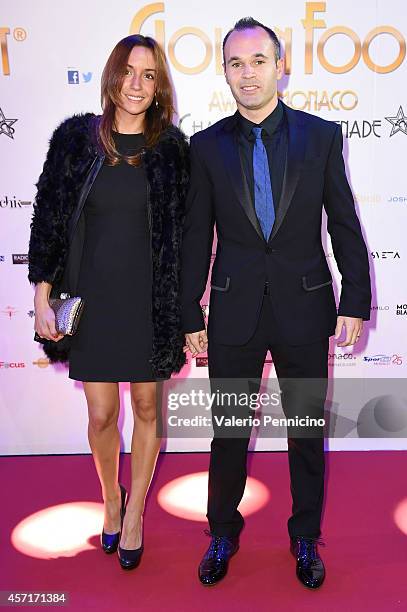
(110, 541)
(214, 565)
(310, 568)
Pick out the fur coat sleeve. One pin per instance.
(167, 167)
(55, 198)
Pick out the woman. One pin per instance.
(107, 228)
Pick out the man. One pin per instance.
(263, 176)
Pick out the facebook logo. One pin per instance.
(73, 77)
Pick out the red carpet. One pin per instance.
(365, 553)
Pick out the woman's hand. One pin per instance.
(44, 315)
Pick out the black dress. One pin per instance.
(113, 342)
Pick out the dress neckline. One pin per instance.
(128, 144)
(121, 134)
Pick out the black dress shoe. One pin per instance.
(310, 568)
(110, 541)
(129, 558)
(214, 565)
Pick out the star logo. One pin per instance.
(5, 125)
(398, 123)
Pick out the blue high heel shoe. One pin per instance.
(110, 541)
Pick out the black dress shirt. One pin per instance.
(275, 139)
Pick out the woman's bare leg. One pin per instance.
(104, 439)
(144, 451)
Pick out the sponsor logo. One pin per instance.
(397, 199)
(201, 362)
(2, 258)
(401, 309)
(385, 255)
(385, 360)
(9, 311)
(7, 202)
(11, 364)
(31, 314)
(375, 198)
(20, 259)
(398, 123)
(368, 198)
(6, 125)
(341, 359)
(42, 362)
(380, 307)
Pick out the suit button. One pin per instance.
(269, 250)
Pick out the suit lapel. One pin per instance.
(295, 156)
(229, 148)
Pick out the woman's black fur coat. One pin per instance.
(71, 153)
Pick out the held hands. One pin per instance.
(353, 328)
(197, 342)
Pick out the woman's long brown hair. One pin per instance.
(159, 114)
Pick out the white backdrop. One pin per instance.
(344, 63)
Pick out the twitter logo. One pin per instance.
(86, 76)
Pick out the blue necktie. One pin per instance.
(263, 195)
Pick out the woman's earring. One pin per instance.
(156, 101)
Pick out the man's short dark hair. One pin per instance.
(248, 23)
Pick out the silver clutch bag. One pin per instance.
(68, 312)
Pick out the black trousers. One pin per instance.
(239, 368)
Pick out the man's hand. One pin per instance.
(353, 327)
(196, 342)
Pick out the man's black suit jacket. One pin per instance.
(293, 261)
